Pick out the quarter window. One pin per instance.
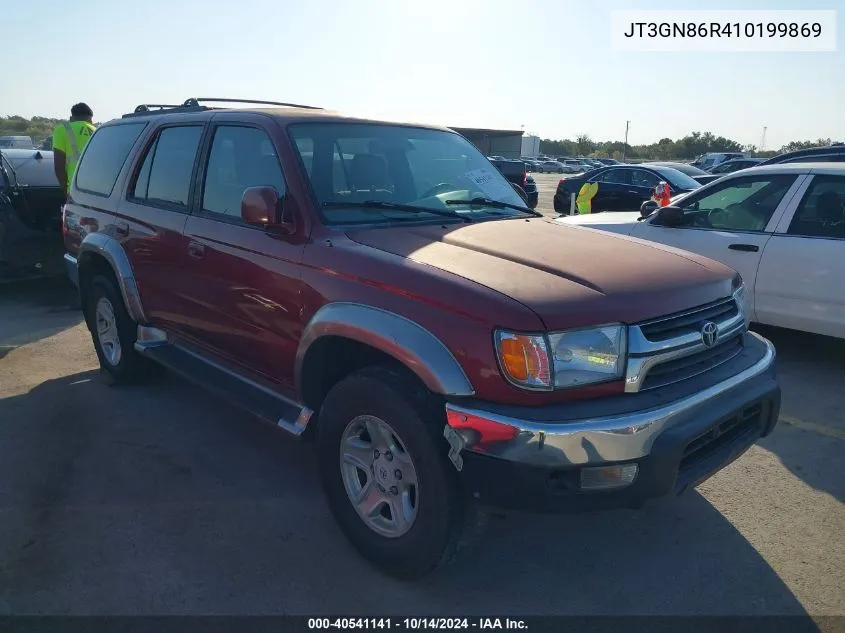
(822, 211)
(165, 174)
(240, 158)
(104, 157)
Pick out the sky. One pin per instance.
(545, 66)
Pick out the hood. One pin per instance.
(569, 275)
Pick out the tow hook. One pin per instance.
(456, 444)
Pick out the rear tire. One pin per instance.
(114, 334)
(431, 511)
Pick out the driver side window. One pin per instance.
(743, 204)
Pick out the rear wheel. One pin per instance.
(114, 333)
(385, 472)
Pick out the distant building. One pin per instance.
(530, 145)
(506, 143)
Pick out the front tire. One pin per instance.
(114, 333)
(385, 472)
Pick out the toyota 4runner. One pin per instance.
(382, 289)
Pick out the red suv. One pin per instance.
(382, 289)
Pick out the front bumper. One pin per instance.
(676, 444)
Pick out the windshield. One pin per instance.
(677, 179)
(350, 164)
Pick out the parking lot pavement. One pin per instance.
(162, 499)
(546, 187)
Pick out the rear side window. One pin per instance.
(617, 176)
(104, 157)
(822, 211)
(165, 174)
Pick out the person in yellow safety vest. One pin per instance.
(69, 139)
(583, 201)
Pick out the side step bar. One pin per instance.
(240, 391)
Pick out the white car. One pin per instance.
(782, 227)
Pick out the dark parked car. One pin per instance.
(622, 187)
(711, 159)
(517, 174)
(608, 161)
(828, 154)
(699, 175)
(382, 290)
(30, 214)
(735, 165)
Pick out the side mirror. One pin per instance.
(647, 208)
(521, 193)
(262, 206)
(669, 216)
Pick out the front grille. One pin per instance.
(682, 368)
(734, 429)
(682, 323)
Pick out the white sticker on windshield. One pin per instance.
(491, 183)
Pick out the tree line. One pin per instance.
(687, 148)
(39, 128)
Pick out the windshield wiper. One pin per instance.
(396, 206)
(496, 204)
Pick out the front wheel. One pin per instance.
(385, 472)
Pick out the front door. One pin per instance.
(245, 279)
(730, 223)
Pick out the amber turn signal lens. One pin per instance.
(524, 358)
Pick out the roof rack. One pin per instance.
(196, 102)
(193, 105)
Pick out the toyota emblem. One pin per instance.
(709, 334)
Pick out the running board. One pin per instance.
(238, 390)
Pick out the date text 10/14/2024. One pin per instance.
(416, 624)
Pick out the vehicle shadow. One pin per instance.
(36, 309)
(811, 436)
(164, 500)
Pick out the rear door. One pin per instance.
(610, 195)
(155, 208)
(801, 280)
(730, 222)
(245, 279)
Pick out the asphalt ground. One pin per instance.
(162, 499)
(546, 187)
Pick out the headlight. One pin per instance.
(563, 359)
(583, 357)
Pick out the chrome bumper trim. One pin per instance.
(72, 268)
(606, 439)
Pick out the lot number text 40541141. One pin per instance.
(416, 624)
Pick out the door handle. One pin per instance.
(196, 250)
(748, 248)
(121, 229)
